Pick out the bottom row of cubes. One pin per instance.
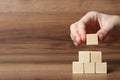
(81, 68)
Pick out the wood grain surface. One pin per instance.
(35, 42)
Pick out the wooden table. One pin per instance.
(35, 42)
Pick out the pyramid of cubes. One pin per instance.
(89, 61)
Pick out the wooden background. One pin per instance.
(35, 42)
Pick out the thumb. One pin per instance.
(102, 34)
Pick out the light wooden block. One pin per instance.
(96, 56)
(84, 56)
(89, 67)
(101, 67)
(77, 67)
(92, 39)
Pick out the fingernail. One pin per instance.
(75, 44)
(83, 38)
(77, 39)
(101, 37)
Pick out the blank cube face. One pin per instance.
(77, 67)
(92, 39)
(89, 67)
(84, 56)
(96, 56)
(101, 67)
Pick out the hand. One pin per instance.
(93, 22)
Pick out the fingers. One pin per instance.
(74, 34)
(78, 33)
(82, 30)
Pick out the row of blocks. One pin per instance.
(90, 62)
(90, 56)
(89, 67)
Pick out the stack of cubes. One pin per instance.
(90, 61)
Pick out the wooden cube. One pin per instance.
(84, 56)
(96, 56)
(92, 39)
(77, 67)
(89, 67)
(101, 67)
